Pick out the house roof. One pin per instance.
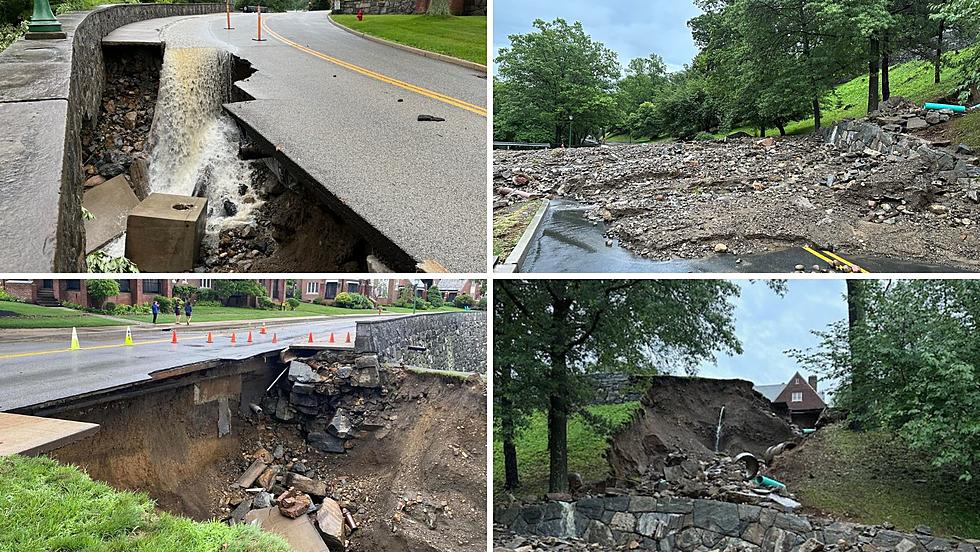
(770, 391)
(451, 285)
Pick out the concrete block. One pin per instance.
(164, 233)
(300, 533)
(330, 520)
(110, 203)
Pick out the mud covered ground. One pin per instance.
(745, 196)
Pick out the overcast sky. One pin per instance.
(767, 325)
(631, 28)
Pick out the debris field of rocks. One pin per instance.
(295, 463)
(868, 187)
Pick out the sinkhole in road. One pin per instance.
(404, 452)
(162, 127)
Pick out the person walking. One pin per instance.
(187, 311)
(155, 307)
(177, 309)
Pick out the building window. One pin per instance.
(275, 289)
(151, 286)
(331, 290)
(312, 287)
(352, 287)
(797, 381)
(73, 285)
(797, 397)
(206, 284)
(124, 286)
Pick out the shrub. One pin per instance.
(224, 289)
(482, 304)
(293, 303)
(435, 296)
(109, 307)
(206, 294)
(207, 303)
(405, 297)
(266, 303)
(463, 301)
(185, 290)
(4, 296)
(166, 305)
(100, 290)
(347, 300)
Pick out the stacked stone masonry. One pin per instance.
(379, 7)
(697, 525)
(455, 341)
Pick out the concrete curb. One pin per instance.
(517, 256)
(418, 51)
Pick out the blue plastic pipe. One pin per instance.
(809, 431)
(766, 482)
(955, 108)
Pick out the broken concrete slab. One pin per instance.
(302, 373)
(164, 232)
(251, 474)
(139, 177)
(238, 514)
(330, 520)
(224, 417)
(110, 203)
(306, 485)
(300, 533)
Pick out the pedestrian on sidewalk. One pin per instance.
(187, 310)
(177, 309)
(155, 307)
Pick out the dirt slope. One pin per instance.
(681, 413)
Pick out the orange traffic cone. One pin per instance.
(311, 338)
(274, 339)
(331, 338)
(232, 337)
(348, 338)
(249, 340)
(210, 338)
(173, 336)
(262, 329)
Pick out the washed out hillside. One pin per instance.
(822, 136)
(235, 137)
(596, 451)
(356, 423)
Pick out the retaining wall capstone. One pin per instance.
(697, 525)
(446, 341)
(49, 89)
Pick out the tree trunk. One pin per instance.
(558, 429)
(939, 51)
(782, 129)
(762, 131)
(511, 478)
(874, 61)
(886, 91)
(438, 7)
(816, 112)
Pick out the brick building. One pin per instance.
(798, 398)
(310, 290)
(132, 291)
(386, 291)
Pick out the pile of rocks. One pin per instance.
(117, 144)
(898, 114)
(331, 396)
(273, 492)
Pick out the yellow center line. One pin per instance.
(455, 102)
(843, 260)
(92, 348)
(824, 257)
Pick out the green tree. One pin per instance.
(907, 360)
(100, 290)
(643, 82)
(225, 289)
(435, 296)
(555, 82)
(550, 333)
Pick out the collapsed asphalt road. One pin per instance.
(881, 195)
(345, 110)
(45, 370)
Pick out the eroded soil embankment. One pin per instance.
(429, 451)
(680, 414)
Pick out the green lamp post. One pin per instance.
(43, 23)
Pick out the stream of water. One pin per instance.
(718, 429)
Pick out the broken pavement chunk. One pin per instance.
(252, 473)
(433, 118)
(294, 503)
(306, 485)
(302, 373)
(300, 533)
(366, 372)
(330, 520)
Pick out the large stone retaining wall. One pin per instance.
(445, 341)
(687, 525)
(49, 89)
(615, 388)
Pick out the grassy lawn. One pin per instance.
(586, 448)
(509, 227)
(49, 506)
(871, 477)
(222, 314)
(459, 37)
(25, 315)
(966, 129)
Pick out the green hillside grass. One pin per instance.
(50, 506)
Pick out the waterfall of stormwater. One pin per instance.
(193, 143)
(718, 429)
(567, 520)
